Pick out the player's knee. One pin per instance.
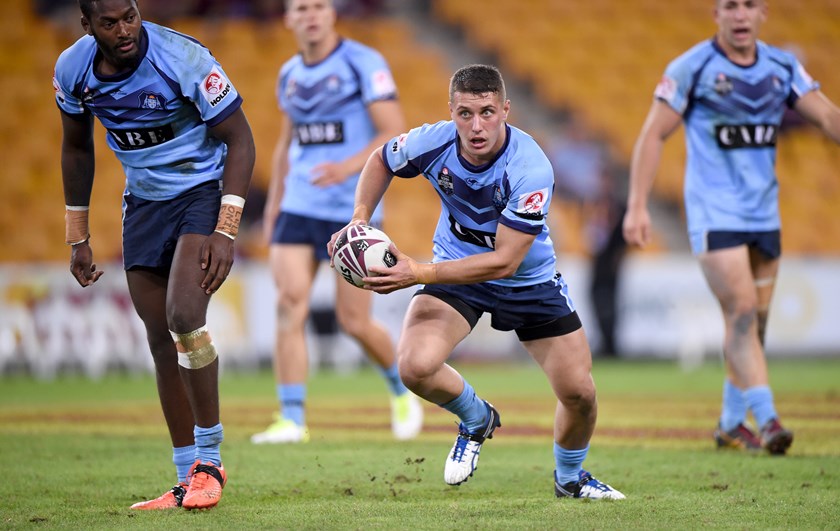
(744, 316)
(581, 399)
(195, 349)
(291, 309)
(355, 324)
(414, 369)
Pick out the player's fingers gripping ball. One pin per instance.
(357, 248)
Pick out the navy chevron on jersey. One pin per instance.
(732, 114)
(513, 189)
(327, 105)
(158, 115)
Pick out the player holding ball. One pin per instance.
(492, 253)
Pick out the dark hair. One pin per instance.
(477, 79)
(88, 6)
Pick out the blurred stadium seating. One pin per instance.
(251, 52)
(604, 57)
(599, 57)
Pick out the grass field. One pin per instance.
(75, 454)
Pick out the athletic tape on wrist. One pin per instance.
(195, 349)
(76, 228)
(230, 214)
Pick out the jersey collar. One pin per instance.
(122, 76)
(484, 167)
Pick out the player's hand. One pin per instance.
(334, 237)
(216, 261)
(407, 272)
(82, 266)
(637, 227)
(329, 173)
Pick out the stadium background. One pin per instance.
(584, 65)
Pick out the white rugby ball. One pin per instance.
(359, 247)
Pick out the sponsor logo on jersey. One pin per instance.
(746, 136)
(666, 89)
(152, 100)
(532, 202)
(473, 236)
(723, 85)
(383, 84)
(333, 84)
(215, 87)
(59, 94)
(444, 181)
(499, 199)
(399, 143)
(132, 139)
(317, 133)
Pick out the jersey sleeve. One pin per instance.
(408, 154)
(375, 79)
(531, 182)
(64, 83)
(675, 86)
(205, 83)
(801, 83)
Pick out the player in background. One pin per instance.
(492, 253)
(174, 121)
(339, 101)
(731, 91)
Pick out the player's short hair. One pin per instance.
(477, 79)
(287, 4)
(87, 7)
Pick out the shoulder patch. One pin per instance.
(666, 89)
(215, 87)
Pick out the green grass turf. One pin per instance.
(75, 454)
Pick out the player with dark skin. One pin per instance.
(175, 300)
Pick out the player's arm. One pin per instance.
(279, 170)
(77, 171)
(502, 262)
(661, 122)
(373, 182)
(217, 251)
(820, 111)
(388, 122)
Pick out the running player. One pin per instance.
(731, 91)
(175, 123)
(339, 100)
(492, 253)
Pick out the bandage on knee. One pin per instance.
(195, 349)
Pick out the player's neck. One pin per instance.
(315, 52)
(740, 56)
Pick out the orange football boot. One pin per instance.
(205, 486)
(170, 499)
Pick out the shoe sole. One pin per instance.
(779, 443)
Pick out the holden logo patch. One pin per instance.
(532, 203)
(215, 87)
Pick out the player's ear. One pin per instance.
(86, 25)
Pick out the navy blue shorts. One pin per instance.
(534, 312)
(768, 242)
(301, 230)
(151, 228)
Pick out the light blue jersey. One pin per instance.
(514, 189)
(732, 115)
(327, 104)
(159, 114)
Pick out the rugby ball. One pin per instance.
(359, 247)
